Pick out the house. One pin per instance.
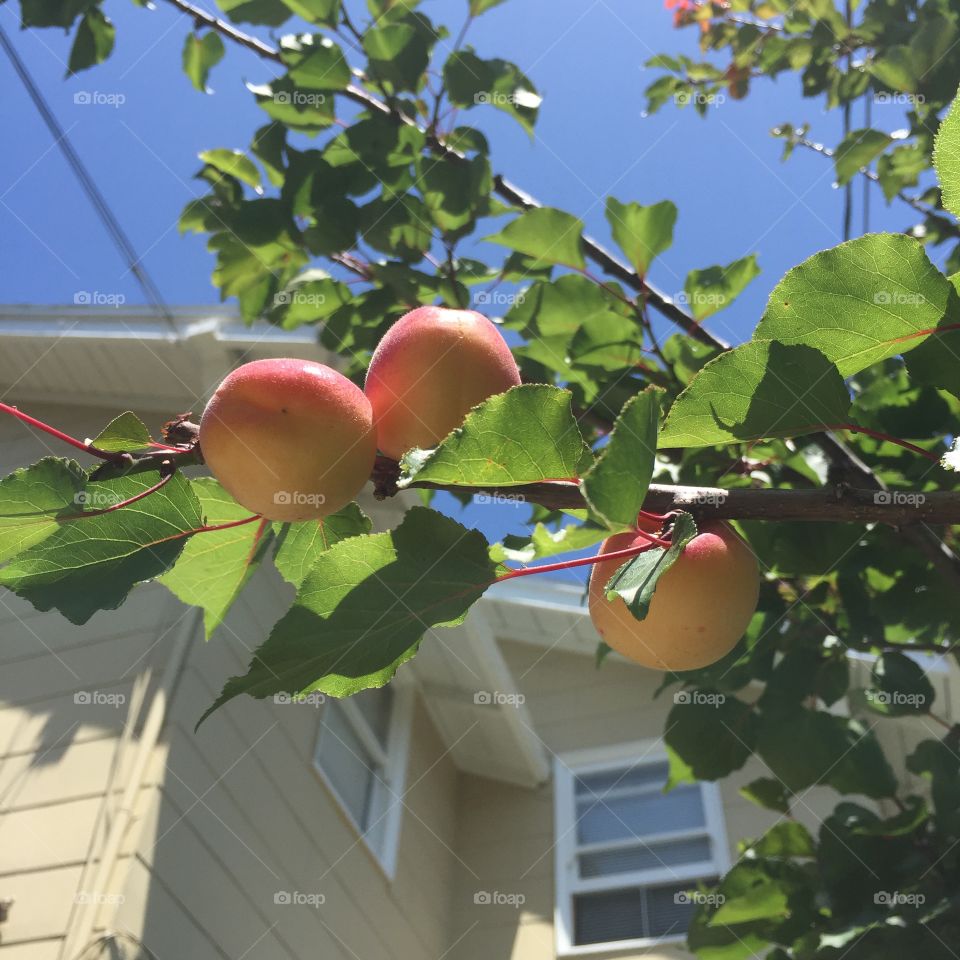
(501, 799)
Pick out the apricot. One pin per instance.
(431, 367)
(289, 439)
(699, 610)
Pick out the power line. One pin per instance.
(88, 184)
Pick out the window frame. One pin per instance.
(567, 767)
(387, 792)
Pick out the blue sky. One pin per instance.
(592, 140)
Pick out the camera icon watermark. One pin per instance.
(699, 698)
(494, 698)
(896, 698)
(894, 898)
(897, 498)
(288, 298)
(297, 498)
(98, 897)
(898, 298)
(99, 698)
(699, 897)
(686, 98)
(297, 898)
(497, 898)
(900, 99)
(497, 298)
(97, 98)
(500, 499)
(94, 298)
(97, 499)
(299, 98)
(313, 699)
(709, 498)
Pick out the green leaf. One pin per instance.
(713, 288)
(124, 433)
(234, 163)
(642, 233)
(900, 687)
(636, 581)
(480, 6)
(300, 544)
(786, 839)
(270, 13)
(306, 111)
(399, 225)
(93, 562)
(544, 542)
(93, 42)
(35, 500)
(616, 486)
(525, 435)
(364, 606)
(471, 81)
(767, 793)
(901, 168)
(399, 51)
(546, 235)
(711, 735)
(310, 297)
(316, 63)
(760, 389)
(268, 145)
(200, 56)
(325, 12)
(214, 567)
(857, 150)
(750, 893)
(946, 158)
(860, 302)
(938, 762)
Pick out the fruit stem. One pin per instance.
(877, 435)
(126, 503)
(581, 562)
(60, 435)
(650, 538)
(226, 526)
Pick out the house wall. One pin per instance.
(229, 816)
(505, 835)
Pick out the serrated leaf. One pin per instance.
(767, 793)
(858, 303)
(364, 606)
(300, 544)
(525, 435)
(213, 568)
(234, 163)
(35, 500)
(711, 736)
(761, 389)
(92, 562)
(200, 56)
(642, 233)
(946, 158)
(126, 432)
(636, 581)
(714, 288)
(616, 486)
(857, 150)
(546, 236)
(544, 542)
(93, 42)
(471, 81)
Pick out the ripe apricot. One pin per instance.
(700, 608)
(289, 439)
(431, 367)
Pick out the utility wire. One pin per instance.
(88, 184)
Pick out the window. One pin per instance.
(361, 755)
(627, 854)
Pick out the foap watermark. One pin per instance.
(99, 698)
(894, 898)
(500, 499)
(900, 99)
(700, 698)
(497, 298)
(687, 98)
(495, 698)
(298, 898)
(97, 499)
(708, 498)
(99, 98)
(297, 498)
(517, 98)
(299, 98)
(896, 698)
(310, 699)
(699, 298)
(897, 498)
(497, 898)
(290, 298)
(699, 897)
(899, 298)
(96, 298)
(98, 896)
